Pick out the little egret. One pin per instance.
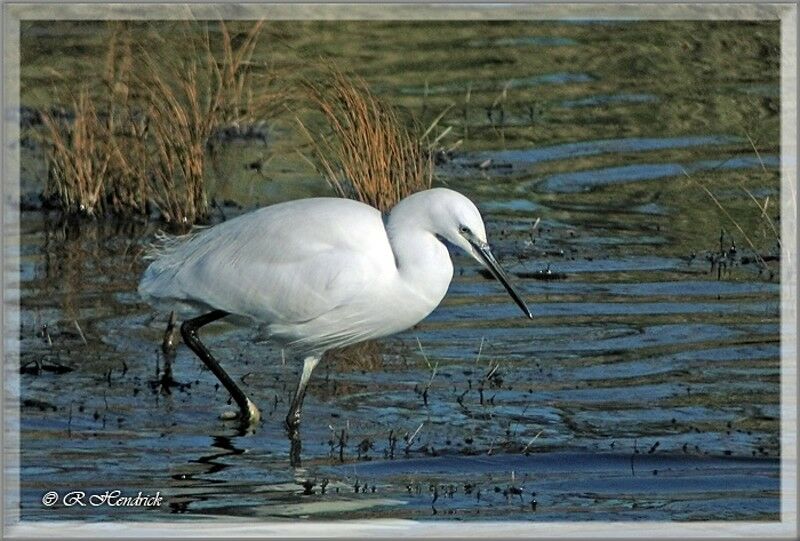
(319, 273)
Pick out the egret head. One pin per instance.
(457, 220)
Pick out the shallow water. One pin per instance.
(646, 388)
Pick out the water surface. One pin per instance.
(646, 387)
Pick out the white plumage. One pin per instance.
(323, 272)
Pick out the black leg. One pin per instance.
(295, 447)
(249, 412)
(169, 349)
(168, 343)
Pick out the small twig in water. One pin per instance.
(69, 422)
(46, 334)
(168, 343)
(480, 349)
(433, 370)
(758, 154)
(80, 332)
(410, 440)
(532, 440)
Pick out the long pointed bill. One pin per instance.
(497, 271)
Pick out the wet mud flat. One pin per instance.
(647, 386)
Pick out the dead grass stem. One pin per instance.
(745, 236)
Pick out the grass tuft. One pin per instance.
(185, 105)
(77, 157)
(368, 154)
(148, 147)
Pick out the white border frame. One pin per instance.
(786, 528)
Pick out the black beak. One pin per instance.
(497, 271)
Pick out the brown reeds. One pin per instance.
(126, 184)
(89, 158)
(369, 154)
(180, 122)
(185, 105)
(151, 152)
(77, 157)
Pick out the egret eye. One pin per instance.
(464, 229)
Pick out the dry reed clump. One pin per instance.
(183, 113)
(368, 155)
(77, 157)
(85, 173)
(126, 186)
(151, 151)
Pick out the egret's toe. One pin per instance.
(293, 421)
(251, 416)
(229, 415)
(253, 413)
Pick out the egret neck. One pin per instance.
(423, 262)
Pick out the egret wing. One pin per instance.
(288, 263)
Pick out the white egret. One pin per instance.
(319, 273)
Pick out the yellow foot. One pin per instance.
(251, 417)
(254, 415)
